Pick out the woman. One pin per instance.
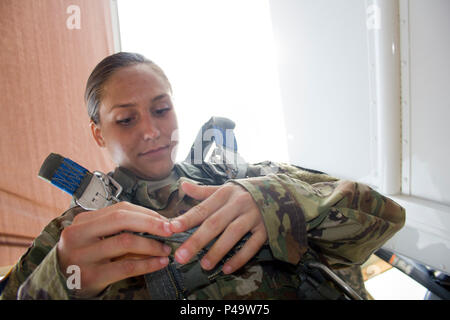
(285, 217)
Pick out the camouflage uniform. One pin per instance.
(342, 222)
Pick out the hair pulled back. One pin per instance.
(104, 70)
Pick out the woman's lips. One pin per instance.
(154, 152)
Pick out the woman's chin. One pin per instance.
(156, 172)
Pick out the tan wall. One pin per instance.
(44, 66)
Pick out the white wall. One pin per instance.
(429, 36)
(323, 67)
(425, 28)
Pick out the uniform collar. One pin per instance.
(148, 193)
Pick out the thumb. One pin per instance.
(198, 192)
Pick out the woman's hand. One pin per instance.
(93, 243)
(228, 210)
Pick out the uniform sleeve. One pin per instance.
(46, 282)
(343, 221)
(38, 270)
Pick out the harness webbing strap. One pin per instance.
(160, 286)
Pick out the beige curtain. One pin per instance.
(47, 50)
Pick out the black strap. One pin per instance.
(314, 286)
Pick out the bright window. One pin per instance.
(220, 59)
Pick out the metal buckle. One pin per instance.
(108, 181)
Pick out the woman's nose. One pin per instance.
(149, 129)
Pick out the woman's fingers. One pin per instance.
(106, 261)
(197, 214)
(198, 192)
(123, 244)
(248, 251)
(105, 274)
(230, 237)
(86, 216)
(209, 230)
(116, 221)
(232, 234)
(229, 210)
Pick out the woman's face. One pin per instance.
(137, 120)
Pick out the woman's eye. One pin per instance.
(162, 111)
(125, 121)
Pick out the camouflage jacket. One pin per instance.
(343, 222)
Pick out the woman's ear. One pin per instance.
(97, 134)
